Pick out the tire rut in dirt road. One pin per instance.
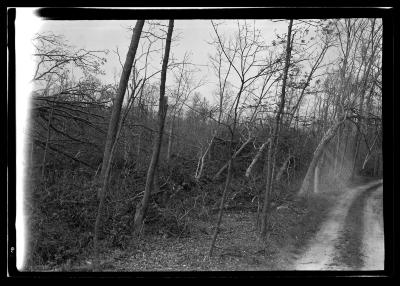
(373, 238)
(338, 244)
(349, 254)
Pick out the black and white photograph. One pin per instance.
(160, 144)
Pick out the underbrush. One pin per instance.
(60, 219)
(62, 215)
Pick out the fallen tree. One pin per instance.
(256, 158)
(237, 153)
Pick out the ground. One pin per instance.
(346, 234)
(237, 248)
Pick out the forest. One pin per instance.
(149, 174)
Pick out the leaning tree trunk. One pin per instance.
(305, 187)
(47, 140)
(112, 134)
(200, 164)
(116, 111)
(317, 177)
(337, 151)
(369, 153)
(237, 153)
(162, 111)
(256, 158)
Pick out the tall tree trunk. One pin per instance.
(31, 160)
(170, 139)
(139, 144)
(116, 111)
(97, 227)
(272, 148)
(156, 181)
(162, 112)
(113, 129)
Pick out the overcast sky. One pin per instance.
(107, 34)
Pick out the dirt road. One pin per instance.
(373, 247)
(352, 237)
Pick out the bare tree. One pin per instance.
(256, 157)
(372, 43)
(162, 111)
(112, 132)
(55, 56)
(58, 96)
(244, 56)
(345, 88)
(116, 113)
(272, 147)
